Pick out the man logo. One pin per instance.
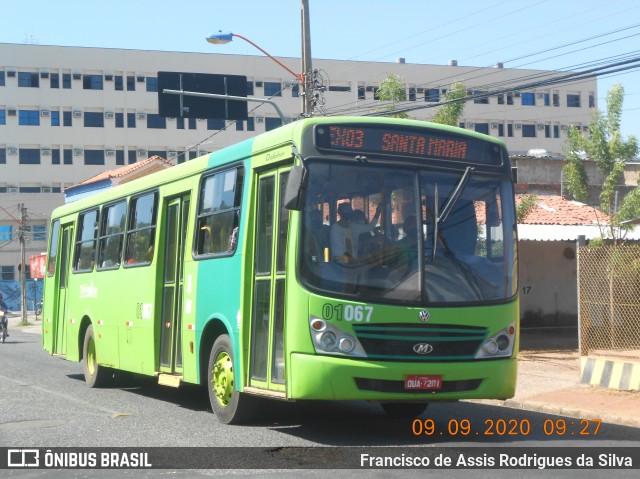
(424, 315)
(422, 348)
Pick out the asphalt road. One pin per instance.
(47, 404)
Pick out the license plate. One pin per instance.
(427, 383)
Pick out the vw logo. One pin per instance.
(424, 315)
(422, 348)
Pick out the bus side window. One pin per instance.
(141, 229)
(86, 241)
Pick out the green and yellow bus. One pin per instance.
(342, 258)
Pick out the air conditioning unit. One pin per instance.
(563, 127)
(78, 151)
(45, 152)
(77, 76)
(470, 125)
(540, 95)
(259, 119)
(11, 112)
(44, 74)
(45, 113)
(110, 152)
(173, 154)
(141, 116)
(12, 151)
(494, 126)
(518, 126)
(258, 82)
(108, 78)
(286, 84)
(12, 189)
(517, 94)
(109, 115)
(140, 78)
(46, 189)
(540, 127)
(11, 73)
(77, 114)
(142, 152)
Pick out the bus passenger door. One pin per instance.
(176, 215)
(62, 271)
(267, 362)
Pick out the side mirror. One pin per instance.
(296, 188)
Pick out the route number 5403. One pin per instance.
(347, 312)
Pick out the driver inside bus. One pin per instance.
(345, 233)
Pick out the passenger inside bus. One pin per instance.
(345, 233)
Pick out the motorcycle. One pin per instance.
(3, 324)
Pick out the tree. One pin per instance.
(605, 145)
(392, 89)
(453, 106)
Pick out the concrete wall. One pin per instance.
(548, 283)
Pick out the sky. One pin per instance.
(532, 34)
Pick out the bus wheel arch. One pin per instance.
(95, 375)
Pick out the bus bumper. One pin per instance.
(333, 378)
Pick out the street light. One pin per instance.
(222, 38)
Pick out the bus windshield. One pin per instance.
(407, 235)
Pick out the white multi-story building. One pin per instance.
(68, 113)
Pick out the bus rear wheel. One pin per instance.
(404, 410)
(229, 405)
(94, 375)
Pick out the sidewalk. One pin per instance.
(548, 379)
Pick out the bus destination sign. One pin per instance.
(416, 143)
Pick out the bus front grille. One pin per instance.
(420, 342)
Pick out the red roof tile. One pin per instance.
(123, 171)
(555, 210)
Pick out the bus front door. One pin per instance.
(176, 216)
(62, 271)
(267, 362)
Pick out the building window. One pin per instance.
(500, 99)
(482, 128)
(131, 83)
(180, 123)
(272, 123)
(528, 131)
(592, 100)
(192, 124)
(510, 130)
(432, 95)
(93, 119)
(29, 156)
(573, 101)
(556, 131)
(483, 98)
(118, 83)
(55, 156)
(152, 84)
(7, 272)
(3, 117)
(131, 156)
(55, 118)
(66, 81)
(39, 232)
(67, 156)
(1, 78)
(249, 88)
(29, 117)
(94, 157)
(546, 99)
(131, 120)
(54, 80)
(6, 232)
(156, 121)
(251, 124)
(547, 131)
(295, 91)
(28, 80)
(509, 98)
(119, 157)
(214, 124)
(239, 125)
(272, 88)
(556, 99)
(160, 153)
(361, 93)
(3, 156)
(92, 82)
(528, 99)
(500, 129)
(119, 120)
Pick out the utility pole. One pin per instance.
(22, 236)
(307, 69)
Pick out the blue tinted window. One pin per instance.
(432, 95)
(214, 124)
(55, 156)
(529, 131)
(29, 117)
(94, 119)
(29, 156)
(3, 156)
(67, 119)
(119, 120)
(131, 120)
(118, 83)
(152, 84)
(6, 234)
(119, 157)
(67, 156)
(156, 121)
(55, 118)
(54, 80)
(66, 80)
(573, 101)
(131, 83)
(132, 156)
(92, 82)
(272, 88)
(3, 117)
(94, 157)
(272, 123)
(528, 99)
(28, 80)
(1, 78)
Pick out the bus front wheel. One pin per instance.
(94, 375)
(228, 404)
(404, 410)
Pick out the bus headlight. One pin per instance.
(499, 345)
(330, 339)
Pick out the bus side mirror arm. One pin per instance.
(296, 188)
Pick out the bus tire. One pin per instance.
(94, 375)
(229, 405)
(404, 410)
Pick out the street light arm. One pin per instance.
(299, 76)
